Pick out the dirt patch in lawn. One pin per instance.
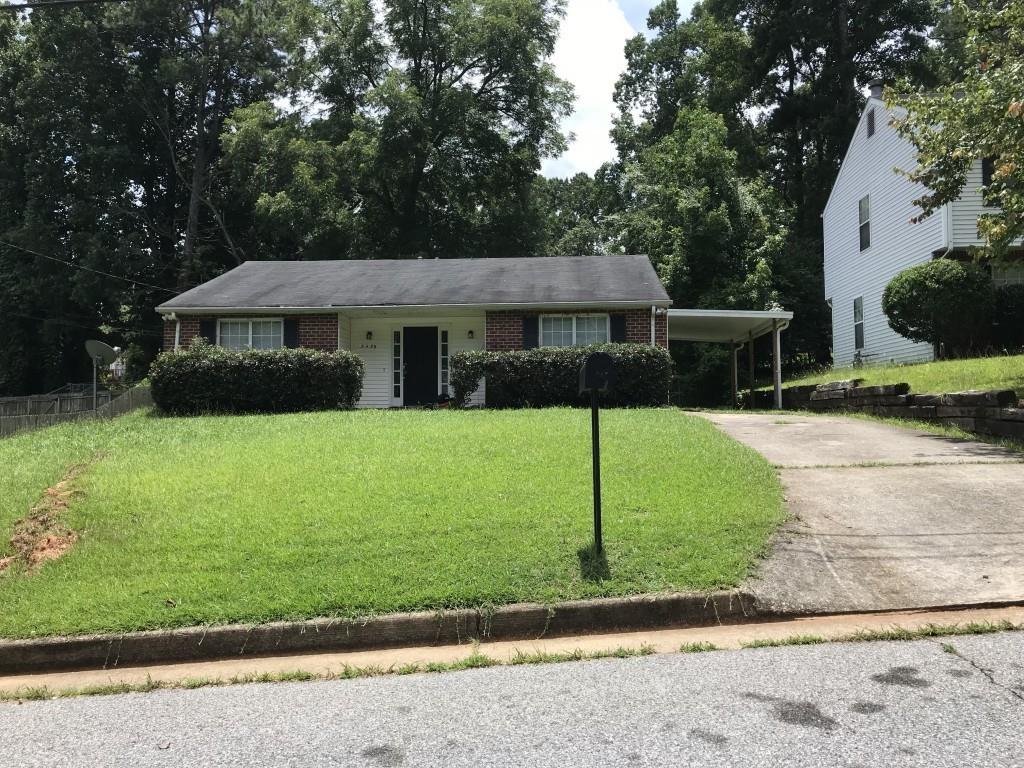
(41, 535)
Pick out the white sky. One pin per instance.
(589, 54)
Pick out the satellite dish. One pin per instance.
(101, 354)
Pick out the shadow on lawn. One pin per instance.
(593, 564)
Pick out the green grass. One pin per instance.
(475, 660)
(1005, 372)
(698, 647)
(772, 642)
(252, 519)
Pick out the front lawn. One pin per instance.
(1005, 372)
(224, 519)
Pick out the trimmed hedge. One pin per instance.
(549, 376)
(943, 302)
(209, 379)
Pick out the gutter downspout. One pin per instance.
(654, 312)
(947, 229)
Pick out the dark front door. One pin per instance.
(420, 376)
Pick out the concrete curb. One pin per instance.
(523, 621)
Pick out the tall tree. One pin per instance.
(785, 77)
(429, 123)
(119, 110)
(979, 115)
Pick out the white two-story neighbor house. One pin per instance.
(870, 237)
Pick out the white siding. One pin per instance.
(896, 243)
(344, 332)
(966, 210)
(376, 352)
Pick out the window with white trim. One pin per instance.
(250, 334)
(573, 330)
(864, 216)
(871, 123)
(858, 323)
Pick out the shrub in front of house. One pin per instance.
(943, 302)
(209, 379)
(1009, 317)
(549, 376)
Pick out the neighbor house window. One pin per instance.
(871, 122)
(250, 334)
(573, 330)
(864, 208)
(858, 323)
(988, 168)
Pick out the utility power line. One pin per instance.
(131, 280)
(70, 323)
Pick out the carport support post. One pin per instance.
(777, 363)
(734, 349)
(750, 364)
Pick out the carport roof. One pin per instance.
(724, 325)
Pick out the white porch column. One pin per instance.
(734, 350)
(777, 362)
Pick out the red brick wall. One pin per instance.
(638, 327)
(189, 330)
(505, 329)
(319, 332)
(315, 331)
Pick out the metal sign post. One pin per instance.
(596, 376)
(595, 442)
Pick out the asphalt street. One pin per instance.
(944, 702)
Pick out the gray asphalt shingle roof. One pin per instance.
(419, 282)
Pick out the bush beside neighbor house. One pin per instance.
(943, 302)
(1009, 317)
(209, 379)
(549, 376)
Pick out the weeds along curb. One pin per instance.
(524, 621)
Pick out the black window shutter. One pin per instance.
(291, 332)
(531, 333)
(618, 328)
(208, 330)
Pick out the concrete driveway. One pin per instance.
(885, 517)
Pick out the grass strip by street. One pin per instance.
(481, 656)
(252, 519)
(475, 660)
(889, 634)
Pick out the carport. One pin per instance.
(735, 328)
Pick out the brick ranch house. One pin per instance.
(404, 318)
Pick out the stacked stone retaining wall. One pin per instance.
(992, 412)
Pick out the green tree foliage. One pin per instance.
(578, 213)
(784, 79)
(431, 121)
(713, 236)
(978, 115)
(943, 302)
(109, 123)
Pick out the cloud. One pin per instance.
(589, 54)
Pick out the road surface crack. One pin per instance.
(987, 673)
